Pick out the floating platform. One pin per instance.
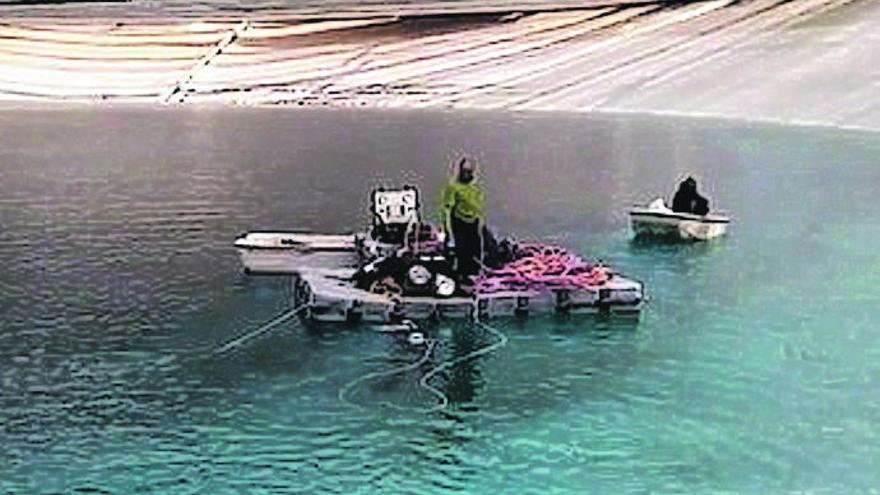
(330, 296)
(324, 268)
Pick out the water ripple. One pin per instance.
(750, 370)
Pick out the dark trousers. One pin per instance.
(468, 246)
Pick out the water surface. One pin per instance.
(754, 368)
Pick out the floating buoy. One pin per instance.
(416, 338)
(444, 285)
(419, 275)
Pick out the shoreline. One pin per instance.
(706, 58)
(721, 119)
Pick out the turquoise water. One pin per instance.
(755, 367)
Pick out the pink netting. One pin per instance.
(542, 267)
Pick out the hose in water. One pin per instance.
(429, 348)
(266, 327)
(444, 401)
(424, 382)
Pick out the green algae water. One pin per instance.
(754, 368)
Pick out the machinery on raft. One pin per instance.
(401, 268)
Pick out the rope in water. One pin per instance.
(429, 348)
(424, 382)
(242, 339)
(444, 401)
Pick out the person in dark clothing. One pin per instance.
(688, 200)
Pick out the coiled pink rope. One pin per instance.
(543, 267)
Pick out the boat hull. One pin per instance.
(295, 252)
(648, 223)
(290, 262)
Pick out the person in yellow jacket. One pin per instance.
(463, 216)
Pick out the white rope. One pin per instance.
(393, 371)
(240, 340)
(424, 382)
(444, 401)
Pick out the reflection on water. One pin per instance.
(752, 368)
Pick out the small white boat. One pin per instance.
(657, 220)
(295, 252)
(292, 252)
(296, 240)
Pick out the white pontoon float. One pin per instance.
(330, 296)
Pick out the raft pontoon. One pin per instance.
(331, 297)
